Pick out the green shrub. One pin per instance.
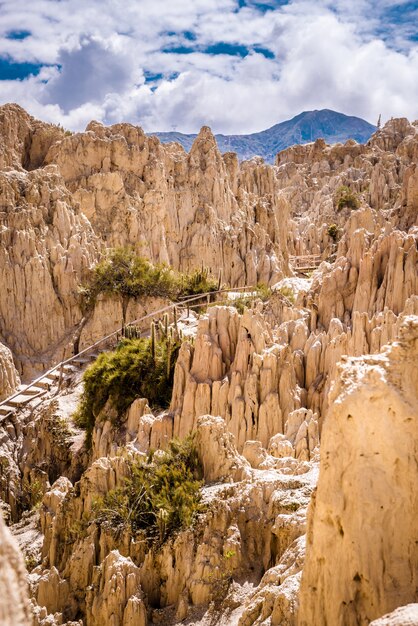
(159, 498)
(262, 292)
(288, 293)
(221, 578)
(31, 561)
(32, 493)
(333, 231)
(125, 274)
(137, 368)
(344, 197)
(197, 282)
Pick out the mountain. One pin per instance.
(307, 126)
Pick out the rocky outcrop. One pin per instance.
(177, 208)
(215, 446)
(370, 276)
(25, 140)
(404, 616)
(255, 387)
(46, 247)
(276, 601)
(381, 174)
(65, 197)
(236, 371)
(118, 597)
(248, 525)
(9, 378)
(14, 602)
(362, 558)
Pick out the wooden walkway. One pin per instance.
(61, 371)
(305, 263)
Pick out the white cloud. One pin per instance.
(327, 55)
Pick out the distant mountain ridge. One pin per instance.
(307, 126)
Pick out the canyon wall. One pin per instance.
(362, 555)
(264, 384)
(65, 198)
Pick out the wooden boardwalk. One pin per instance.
(305, 263)
(61, 371)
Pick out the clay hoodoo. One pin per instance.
(320, 364)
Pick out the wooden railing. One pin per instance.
(305, 262)
(185, 303)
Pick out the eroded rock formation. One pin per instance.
(65, 197)
(9, 378)
(261, 388)
(362, 556)
(14, 597)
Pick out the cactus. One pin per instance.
(162, 518)
(175, 321)
(168, 352)
(153, 341)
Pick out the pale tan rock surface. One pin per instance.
(65, 198)
(248, 526)
(237, 371)
(9, 378)
(14, 599)
(404, 616)
(25, 140)
(255, 387)
(178, 208)
(362, 556)
(46, 247)
(118, 599)
(215, 446)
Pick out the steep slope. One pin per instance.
(253, 382)
(110, 187)
(362, 554)
(329, 125)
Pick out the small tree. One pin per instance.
(125, 274)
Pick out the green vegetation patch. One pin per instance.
(125, 274)
(262, 292)
(333, 231)
(138, 368)
(160, 497)
(288, 293)
(197, 282)
(345, 197)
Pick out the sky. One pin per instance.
(239, 66)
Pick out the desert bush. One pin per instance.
(345, 197)
(32, 494)
(160, 497)
(287, 292)
(262, 292)
(129, 276)
(197, 282)
(333, 231)
(137, 368)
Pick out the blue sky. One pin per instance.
(237, 65)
